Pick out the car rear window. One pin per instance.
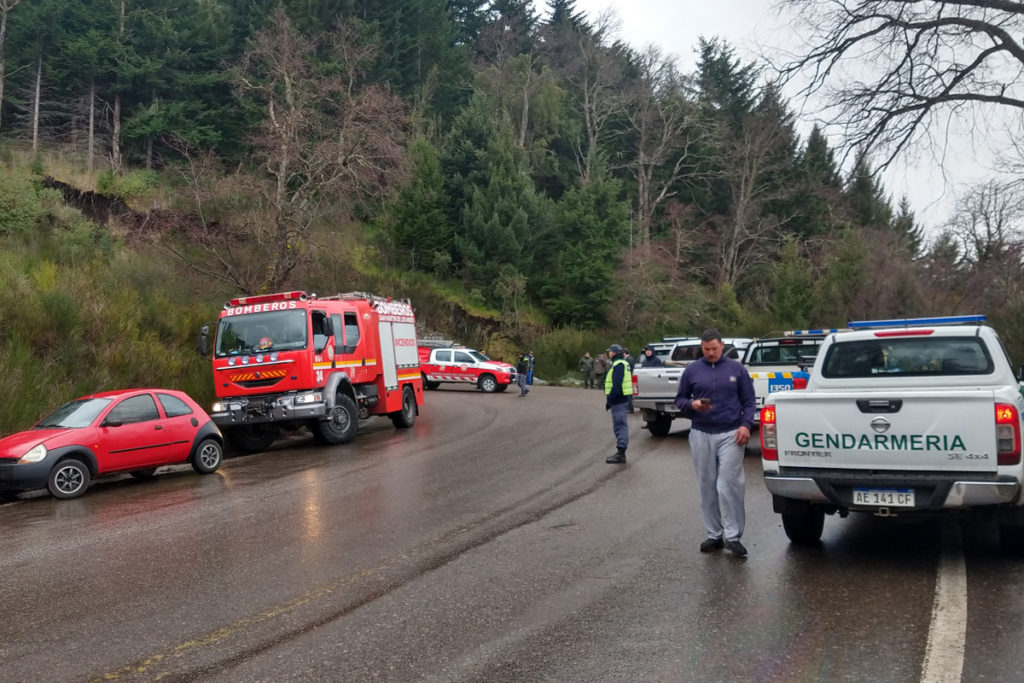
(908, 356)
(692, 352)
(173, 406)
(773, 352)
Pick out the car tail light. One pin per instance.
(799, 382)
(769, 436)
(636, 387)
(1007, 434)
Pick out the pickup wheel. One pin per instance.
(251, 438)
(404, 418)
(341, 424)
(1011, 540)
(427, 384)
(487, 384)
(805, 527)
(660, 426)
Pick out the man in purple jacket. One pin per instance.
(717, 394)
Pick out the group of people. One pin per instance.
(594, 368)
(717, 394)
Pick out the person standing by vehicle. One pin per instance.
(600, 368)
(529, 375)
(522, 368)
(631, 362)
(618, 390)
(650, 359)
(717, 394)
(587, 368)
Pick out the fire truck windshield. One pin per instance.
(256, 332)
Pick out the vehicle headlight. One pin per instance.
(308, 398)
(34, 455)
(219, 408)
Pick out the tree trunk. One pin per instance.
(3, 39)
(115, 143)
(92, 125)
(35, 106)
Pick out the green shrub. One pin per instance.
(20, 204)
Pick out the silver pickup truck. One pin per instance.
(654, 388)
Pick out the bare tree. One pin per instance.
(662, 122)
(595, 71)
(988, 228)
(5, 8)
(324, 145)
(754, 173)
(898, 72)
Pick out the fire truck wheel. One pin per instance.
(251, 438)
(341, 424)
(487, 384)
(404, 418)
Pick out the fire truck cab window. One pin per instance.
(351, 332)
(321, 331)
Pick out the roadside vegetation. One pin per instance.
(526, 180)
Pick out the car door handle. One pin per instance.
(158, 427)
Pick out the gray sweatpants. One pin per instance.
(718, 462)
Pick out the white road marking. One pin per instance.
(944, 654)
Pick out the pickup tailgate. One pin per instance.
(911, 431)
(657, 383)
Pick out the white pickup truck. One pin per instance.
(782, 363)
(654, 388)
(900, 417)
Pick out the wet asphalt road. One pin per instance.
(488, 543)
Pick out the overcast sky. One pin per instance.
(752, 27)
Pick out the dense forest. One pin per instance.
(521, 175)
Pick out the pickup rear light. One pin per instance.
(799, 382)
(904, 333)
(769, 439)
(636, 387)
(1007, 434)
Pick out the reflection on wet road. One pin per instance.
(489, 542)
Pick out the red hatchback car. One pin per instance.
(134, 430)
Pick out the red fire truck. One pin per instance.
(288, 360)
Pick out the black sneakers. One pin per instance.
(736, 548)
(710, 544)
(617, 459)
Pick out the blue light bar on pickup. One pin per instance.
(914, 322)
(807, 333)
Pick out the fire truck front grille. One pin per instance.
(257, 383)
